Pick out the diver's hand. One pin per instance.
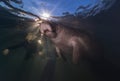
(6, 51)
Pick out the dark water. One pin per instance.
(14, 67)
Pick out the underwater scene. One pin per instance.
(59, 40)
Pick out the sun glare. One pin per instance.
(40, 41)
(45, 16)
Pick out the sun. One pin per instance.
(45, 16)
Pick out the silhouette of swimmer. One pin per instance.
(30, 44)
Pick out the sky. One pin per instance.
(58, 7)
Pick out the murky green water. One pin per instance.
(46, 67)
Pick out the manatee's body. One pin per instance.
(70, 41)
